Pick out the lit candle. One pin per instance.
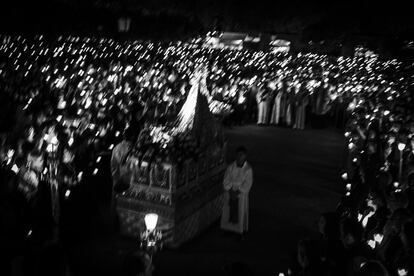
(378, 238)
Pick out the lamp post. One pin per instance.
(51, 148)
(401, 147)
(151, 237)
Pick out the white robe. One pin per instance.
(275, 118)
(262, 108)
(240, 179)
(289, 114)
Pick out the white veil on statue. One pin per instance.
(195, 115)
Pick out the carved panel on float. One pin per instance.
(187, 198)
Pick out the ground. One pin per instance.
(296, 178)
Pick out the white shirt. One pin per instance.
(238, 178)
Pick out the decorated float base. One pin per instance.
(187, 195)
(190, 213)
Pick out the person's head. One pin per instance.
(35, 159)
(328, 225)
(391, 138)
(375, 200)
(350, 232)
(68, 156)
(241, 155)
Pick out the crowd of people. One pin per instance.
(67, 101)
(371, 231)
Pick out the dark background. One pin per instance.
(334, 17)
(310, 25)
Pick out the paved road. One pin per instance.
(296, 178)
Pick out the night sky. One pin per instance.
(268, 16)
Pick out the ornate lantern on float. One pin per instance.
(151, 237)
(51, 170)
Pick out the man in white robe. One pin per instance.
(261, 106)
(275, 115)
(237, 182)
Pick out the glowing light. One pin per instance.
(80, 174)
(366, 218)
(10, 153)
(67, 194)
(344, 176)
(372, 244)
(95, 171)
(111, 147)
(15, 169)
(54, 140)
(351, 106)
(396, 184)
(98, 159)
(402, 272)
(401, 146)
(88, 103)
(151, 221)
(378, 238)
(348, 186)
